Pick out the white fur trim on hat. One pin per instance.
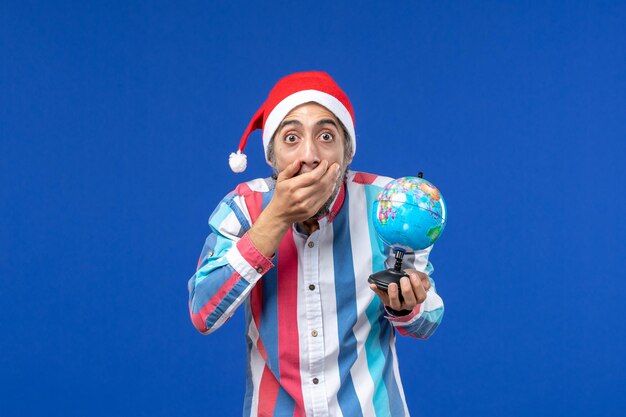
(305, 96)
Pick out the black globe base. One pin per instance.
(382, 280)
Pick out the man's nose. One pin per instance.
(310, 152)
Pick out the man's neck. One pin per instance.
(309, 226)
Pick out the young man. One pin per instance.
(296, 251)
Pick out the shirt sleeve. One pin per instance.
(228, 268)
(425, 318)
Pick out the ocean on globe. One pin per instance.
(409, 213)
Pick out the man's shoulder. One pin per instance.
(367, 179)
(255, 186)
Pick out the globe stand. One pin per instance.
(382, 279)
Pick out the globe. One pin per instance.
(409, 214)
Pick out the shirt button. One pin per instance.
(259, 269)
(316, 381)
(312, 287)
(311, 244)
(314, 333)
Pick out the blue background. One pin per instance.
(116, 122)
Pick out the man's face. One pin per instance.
(311, 133)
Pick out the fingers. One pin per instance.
(407, 293)
(322, 175)
(418, 275)
(419, 284)
(323, 169)
(290, 171)
(412, 294)
(297, 197)
(326, 184)
(380, 293)
(413, 289)
(394, 297)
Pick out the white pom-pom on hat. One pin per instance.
(288, 93)
(238, 162)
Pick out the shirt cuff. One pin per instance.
(406, 318)
(259, 262)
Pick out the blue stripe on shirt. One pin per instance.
(223, 305)
(221, 211)
(285, 405)
(345, 293)
(395, 399)
(426, 325)
(376, 359)
(204, 287)
(238, 213)
(208, 249)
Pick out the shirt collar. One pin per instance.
(334, 210)
(337, 204)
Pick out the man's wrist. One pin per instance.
(267, 232)
(398, 313)
(275, 217)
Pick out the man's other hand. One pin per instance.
(413, 287)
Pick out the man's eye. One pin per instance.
(291, 138)
(326, 137)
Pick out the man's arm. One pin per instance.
(238, 253)
(228, 268)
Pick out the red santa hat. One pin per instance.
(288, 93)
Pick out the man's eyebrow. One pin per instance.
(291, 122)
(298, 123)
(327, 121)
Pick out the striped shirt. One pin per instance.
(319, 340)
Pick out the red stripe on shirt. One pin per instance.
(256, 303)
(197, 321)
(199, 318)
(253, 200)
(405, 333)
(251, 254)
(288, 339)
(268, 393)
(364, 178)
(334, 210)
(268, 386)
